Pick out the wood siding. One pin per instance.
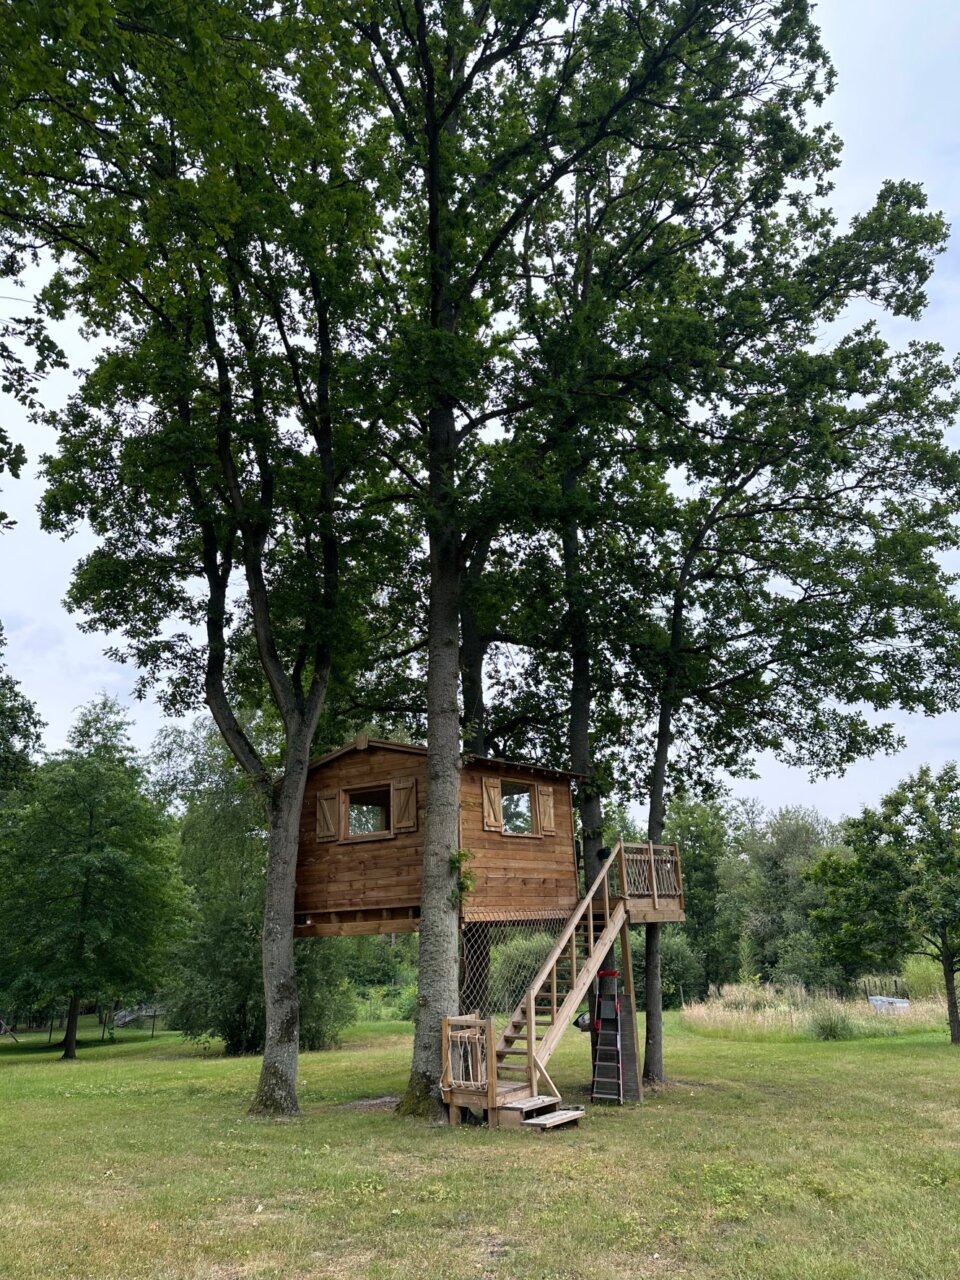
(372, 884)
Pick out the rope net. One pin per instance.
(499, 959)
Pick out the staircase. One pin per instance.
(508, 1076)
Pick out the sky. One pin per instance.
(897, 108)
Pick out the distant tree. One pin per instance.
(896, 889)
(89, 888)
(215, 986)
(20, 727)
(779, 897)
(703, 830)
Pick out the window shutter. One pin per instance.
(492, 819)
(326, 815)
(404, 804)
(548, 825)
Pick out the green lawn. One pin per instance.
(836, 1161)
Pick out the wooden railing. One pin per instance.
(653, 871)
(469, 1056)
(565, 976)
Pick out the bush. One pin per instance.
(681, 969)
(827, 1022)
(923, 978)
(513, 967)
(407, 1003)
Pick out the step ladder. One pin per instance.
(607, 1083)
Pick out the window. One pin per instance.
(368, 812)
(376, 811)
(516, 809)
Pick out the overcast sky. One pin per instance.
(897, 108)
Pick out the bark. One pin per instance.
(276, 1093)
(472, 654)
(653, 986)
(439, 912)
(948, 960)
(70, 1035)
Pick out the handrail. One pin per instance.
(656, 871)
(571, 925)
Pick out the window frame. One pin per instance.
(536, 789)
(346, 836)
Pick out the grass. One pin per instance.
(768, 1012)
(839, 1161)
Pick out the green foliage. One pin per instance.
(216, 984)
(465, 880)
(90, 892)
(513, 966)
(830, 1023)
(923, 978)
(681, 968)
(896, 889)
(20, 728)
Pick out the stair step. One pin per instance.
(541, 1102)
(554, 1119)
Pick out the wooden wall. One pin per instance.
(378, 878)
(372, 885)
(519, 874)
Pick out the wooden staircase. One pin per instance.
(508, 1076)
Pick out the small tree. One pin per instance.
(89, 888)
(897, 889)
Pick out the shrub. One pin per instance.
(513, 966)
(923, 978)
(681, 969)
(829, 1022)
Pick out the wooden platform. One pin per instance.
(643, 911)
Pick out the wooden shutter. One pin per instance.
(492, 818)
(326, 815)
(404, 804)
(548, 825)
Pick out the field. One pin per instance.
(778, 1160)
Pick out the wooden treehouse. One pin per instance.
(359, 872)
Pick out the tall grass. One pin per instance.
(762, 1012)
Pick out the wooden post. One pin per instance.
(632, 1084)
(677, 872)
(493, 1115)
(532, 1042)
(622, 862)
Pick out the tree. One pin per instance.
(215, 987)
(896, 889)
(194, 175)
(20, 728)
(90, 888)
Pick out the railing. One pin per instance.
(469, 1056)
(564, 979)
(653, 871)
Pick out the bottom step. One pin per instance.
(554, 1119)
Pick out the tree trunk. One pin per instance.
(472, 654)
(276, 1093)
(950, 982)
(438, 968)
(70, 1035)
(652, 980)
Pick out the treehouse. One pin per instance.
(533, 937)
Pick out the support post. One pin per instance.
(630, 1057)
(493, 1116)
(532, 1042)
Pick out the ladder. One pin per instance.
(607, 1083)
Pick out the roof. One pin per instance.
(363, 743)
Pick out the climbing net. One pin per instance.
(499, 959)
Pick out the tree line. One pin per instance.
(462, 369)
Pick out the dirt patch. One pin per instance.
(386, 1103)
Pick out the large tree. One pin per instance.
(895, 889)
(89, 887)
(191, 172)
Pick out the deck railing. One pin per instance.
(469, 1047)
(653, 871)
